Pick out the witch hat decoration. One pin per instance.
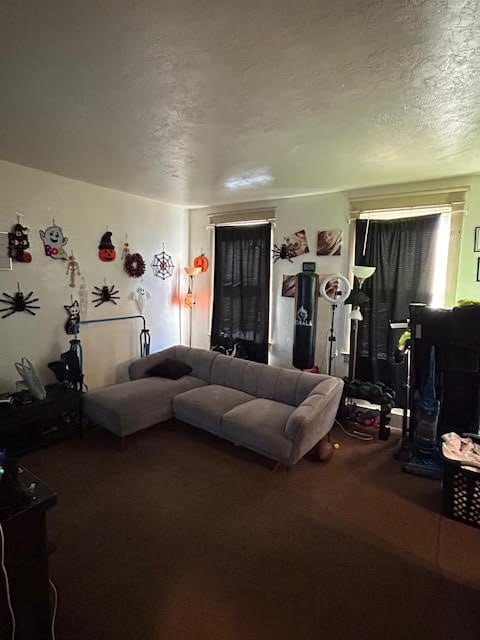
(106, 250)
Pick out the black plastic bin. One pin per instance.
(461, 491)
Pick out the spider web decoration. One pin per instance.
(162, 265)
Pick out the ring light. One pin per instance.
(345, 288)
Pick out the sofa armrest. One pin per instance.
(139, 368)
(314, 417)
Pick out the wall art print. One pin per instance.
(289, 285)
(329, 242)
(298, 243)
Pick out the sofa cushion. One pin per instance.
(170, 368)
(199, 359)
(289, 386)
(259, 425)
(130, 406)
(205, 407)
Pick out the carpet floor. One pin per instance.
(184, 536)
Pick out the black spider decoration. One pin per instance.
(105, 294)
(18, 303)
(285, 251)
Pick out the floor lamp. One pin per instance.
(356, 298)
(189, 301)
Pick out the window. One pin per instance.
(241, 300)
(438, 284)
(410, 234)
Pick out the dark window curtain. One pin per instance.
(242, 289)
(403, 253)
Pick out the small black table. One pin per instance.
(26, 561)
(26, 427)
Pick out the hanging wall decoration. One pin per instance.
(202, 262)
(329, 243)
(283, 252)
(72, 323)
(18, 243)
(106, 250)
(141, 296)
(83, 298)
(162, 265)
(126, 249)
(54, 241)
(104, 294)
(133, 263)
(18, 303)
(72, 269)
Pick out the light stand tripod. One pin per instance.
(332, 339)
(332, 283)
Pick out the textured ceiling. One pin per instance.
(175, 99)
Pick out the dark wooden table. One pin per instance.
(26, 561)
(25, 427)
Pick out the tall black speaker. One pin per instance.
(306, 302)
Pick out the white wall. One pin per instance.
(312, 213)
(85, 211)
(467, 285)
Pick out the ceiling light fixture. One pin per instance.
(254, 178)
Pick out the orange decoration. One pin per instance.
(202, 262)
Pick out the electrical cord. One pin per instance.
(355, 434)
(7, 584)
(9, 599)
(55, 603)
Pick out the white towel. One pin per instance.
(463, 450)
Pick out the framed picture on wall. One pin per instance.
(5, 260)
(476, 240)
(478, 269)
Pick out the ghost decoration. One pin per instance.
(141, 296)
(54, 241)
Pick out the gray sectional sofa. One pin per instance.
(279, 413)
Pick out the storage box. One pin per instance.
(461, 492)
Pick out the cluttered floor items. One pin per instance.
(441, 414)
(353, 412)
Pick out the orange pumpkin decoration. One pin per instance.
(202, 262)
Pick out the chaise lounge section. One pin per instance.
(277, 412)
